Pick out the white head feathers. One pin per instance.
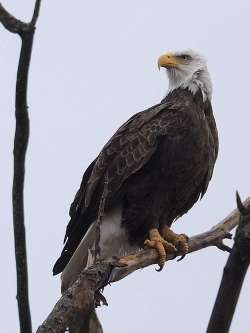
(187, 69)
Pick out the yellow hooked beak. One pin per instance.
(168, 61)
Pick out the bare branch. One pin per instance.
(36, 13)
(79, 298)
(11, 23)
(228, 294)
(78, 301)
(233, 276)
(26, 32)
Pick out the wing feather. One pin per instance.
(126, 152)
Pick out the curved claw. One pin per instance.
(160, 268)
(182, 257)
(162, 247)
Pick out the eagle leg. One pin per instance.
(180, 241)
(161, 245)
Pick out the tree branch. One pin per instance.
(36, 13)
(26, 32)
(79, 299)
(233, 276)
(11, 23)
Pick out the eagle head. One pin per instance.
(187, 69)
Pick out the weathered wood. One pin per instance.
(77, 303)
(79, 298)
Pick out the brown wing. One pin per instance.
(124, 154)
(213, 145)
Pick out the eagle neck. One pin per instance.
(200, 80)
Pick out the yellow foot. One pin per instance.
(161, 245)
(179, 241)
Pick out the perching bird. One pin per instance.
(152, 171)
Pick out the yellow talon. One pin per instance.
(179, 241)
(161, 245)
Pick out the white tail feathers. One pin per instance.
(113, 242)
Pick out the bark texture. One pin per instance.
(77, 302)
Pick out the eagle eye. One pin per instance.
(186, 57)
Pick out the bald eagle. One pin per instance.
(153, 170)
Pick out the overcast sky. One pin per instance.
(93, 66)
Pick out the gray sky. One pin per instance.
(93, 66)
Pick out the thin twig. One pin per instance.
(26, 32)
(75, 301)
(36, 13)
